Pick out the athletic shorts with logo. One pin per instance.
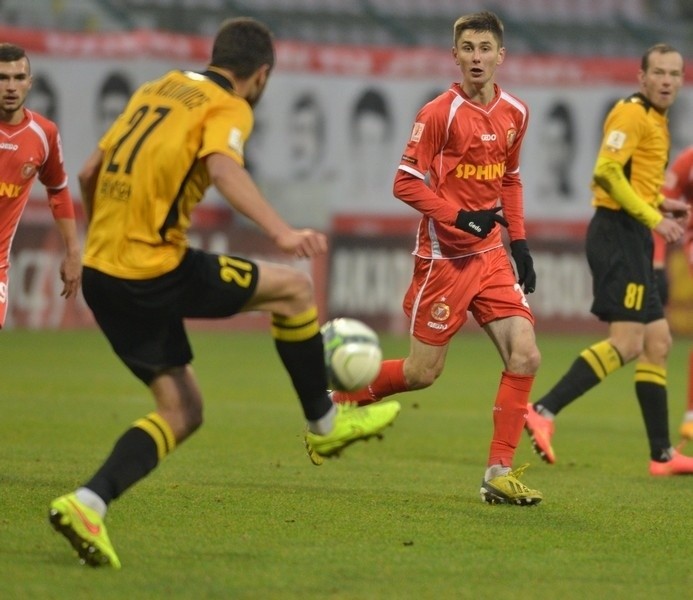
(443, 291)
(143, 320)
(619, 253)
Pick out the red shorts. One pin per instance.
(443, 291)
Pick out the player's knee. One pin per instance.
(630, 348)
(532, 361)
(657, 350)
(301, 291)
(525, 361)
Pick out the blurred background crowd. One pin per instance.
(577, 27)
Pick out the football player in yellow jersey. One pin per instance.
(629, 206)
(177, 136)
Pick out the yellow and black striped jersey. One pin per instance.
(153, 173)
(636, 136)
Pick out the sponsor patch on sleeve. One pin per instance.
(615, 140)
(416, 132)
(236, 140)
(409, 159)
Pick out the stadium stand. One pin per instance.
(576, 27)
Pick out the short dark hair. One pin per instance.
(660, 48)
(12, 52)
(242, 45)
(480, 21)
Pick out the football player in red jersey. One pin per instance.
(678, 184)
(29, 148)
(460, 167)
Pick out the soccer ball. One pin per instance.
(352, 354)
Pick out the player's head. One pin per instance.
(661, 75)
(478, 48)
(245, 47)
(480, 22)
(13, 53)
(15, 80)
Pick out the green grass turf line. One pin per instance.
(239, 511)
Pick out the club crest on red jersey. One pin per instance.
(440, 311)
(28, 170)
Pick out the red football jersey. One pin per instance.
(469, 157)
(27, 149)
(678, 184)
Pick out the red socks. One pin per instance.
(509, 411)
(390, 380)
(509, 415)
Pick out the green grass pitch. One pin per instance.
(239, 512)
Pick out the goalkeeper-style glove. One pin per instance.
(479, 222)
(526, 276)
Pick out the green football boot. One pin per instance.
(508, 489)
(351, 424)
(84, 529)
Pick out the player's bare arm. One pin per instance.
(237, 186)
(87, 181)
(71, 265)
(62, 208)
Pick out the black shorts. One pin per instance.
(143, 319)
(619, 253)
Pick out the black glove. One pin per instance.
(479, 222)
(524, 264)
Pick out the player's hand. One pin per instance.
(302, 243)
(669, 229)
(71, 274)
(479, 222)
(526, 276)
(679, 210)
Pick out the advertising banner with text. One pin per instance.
(328, 137)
